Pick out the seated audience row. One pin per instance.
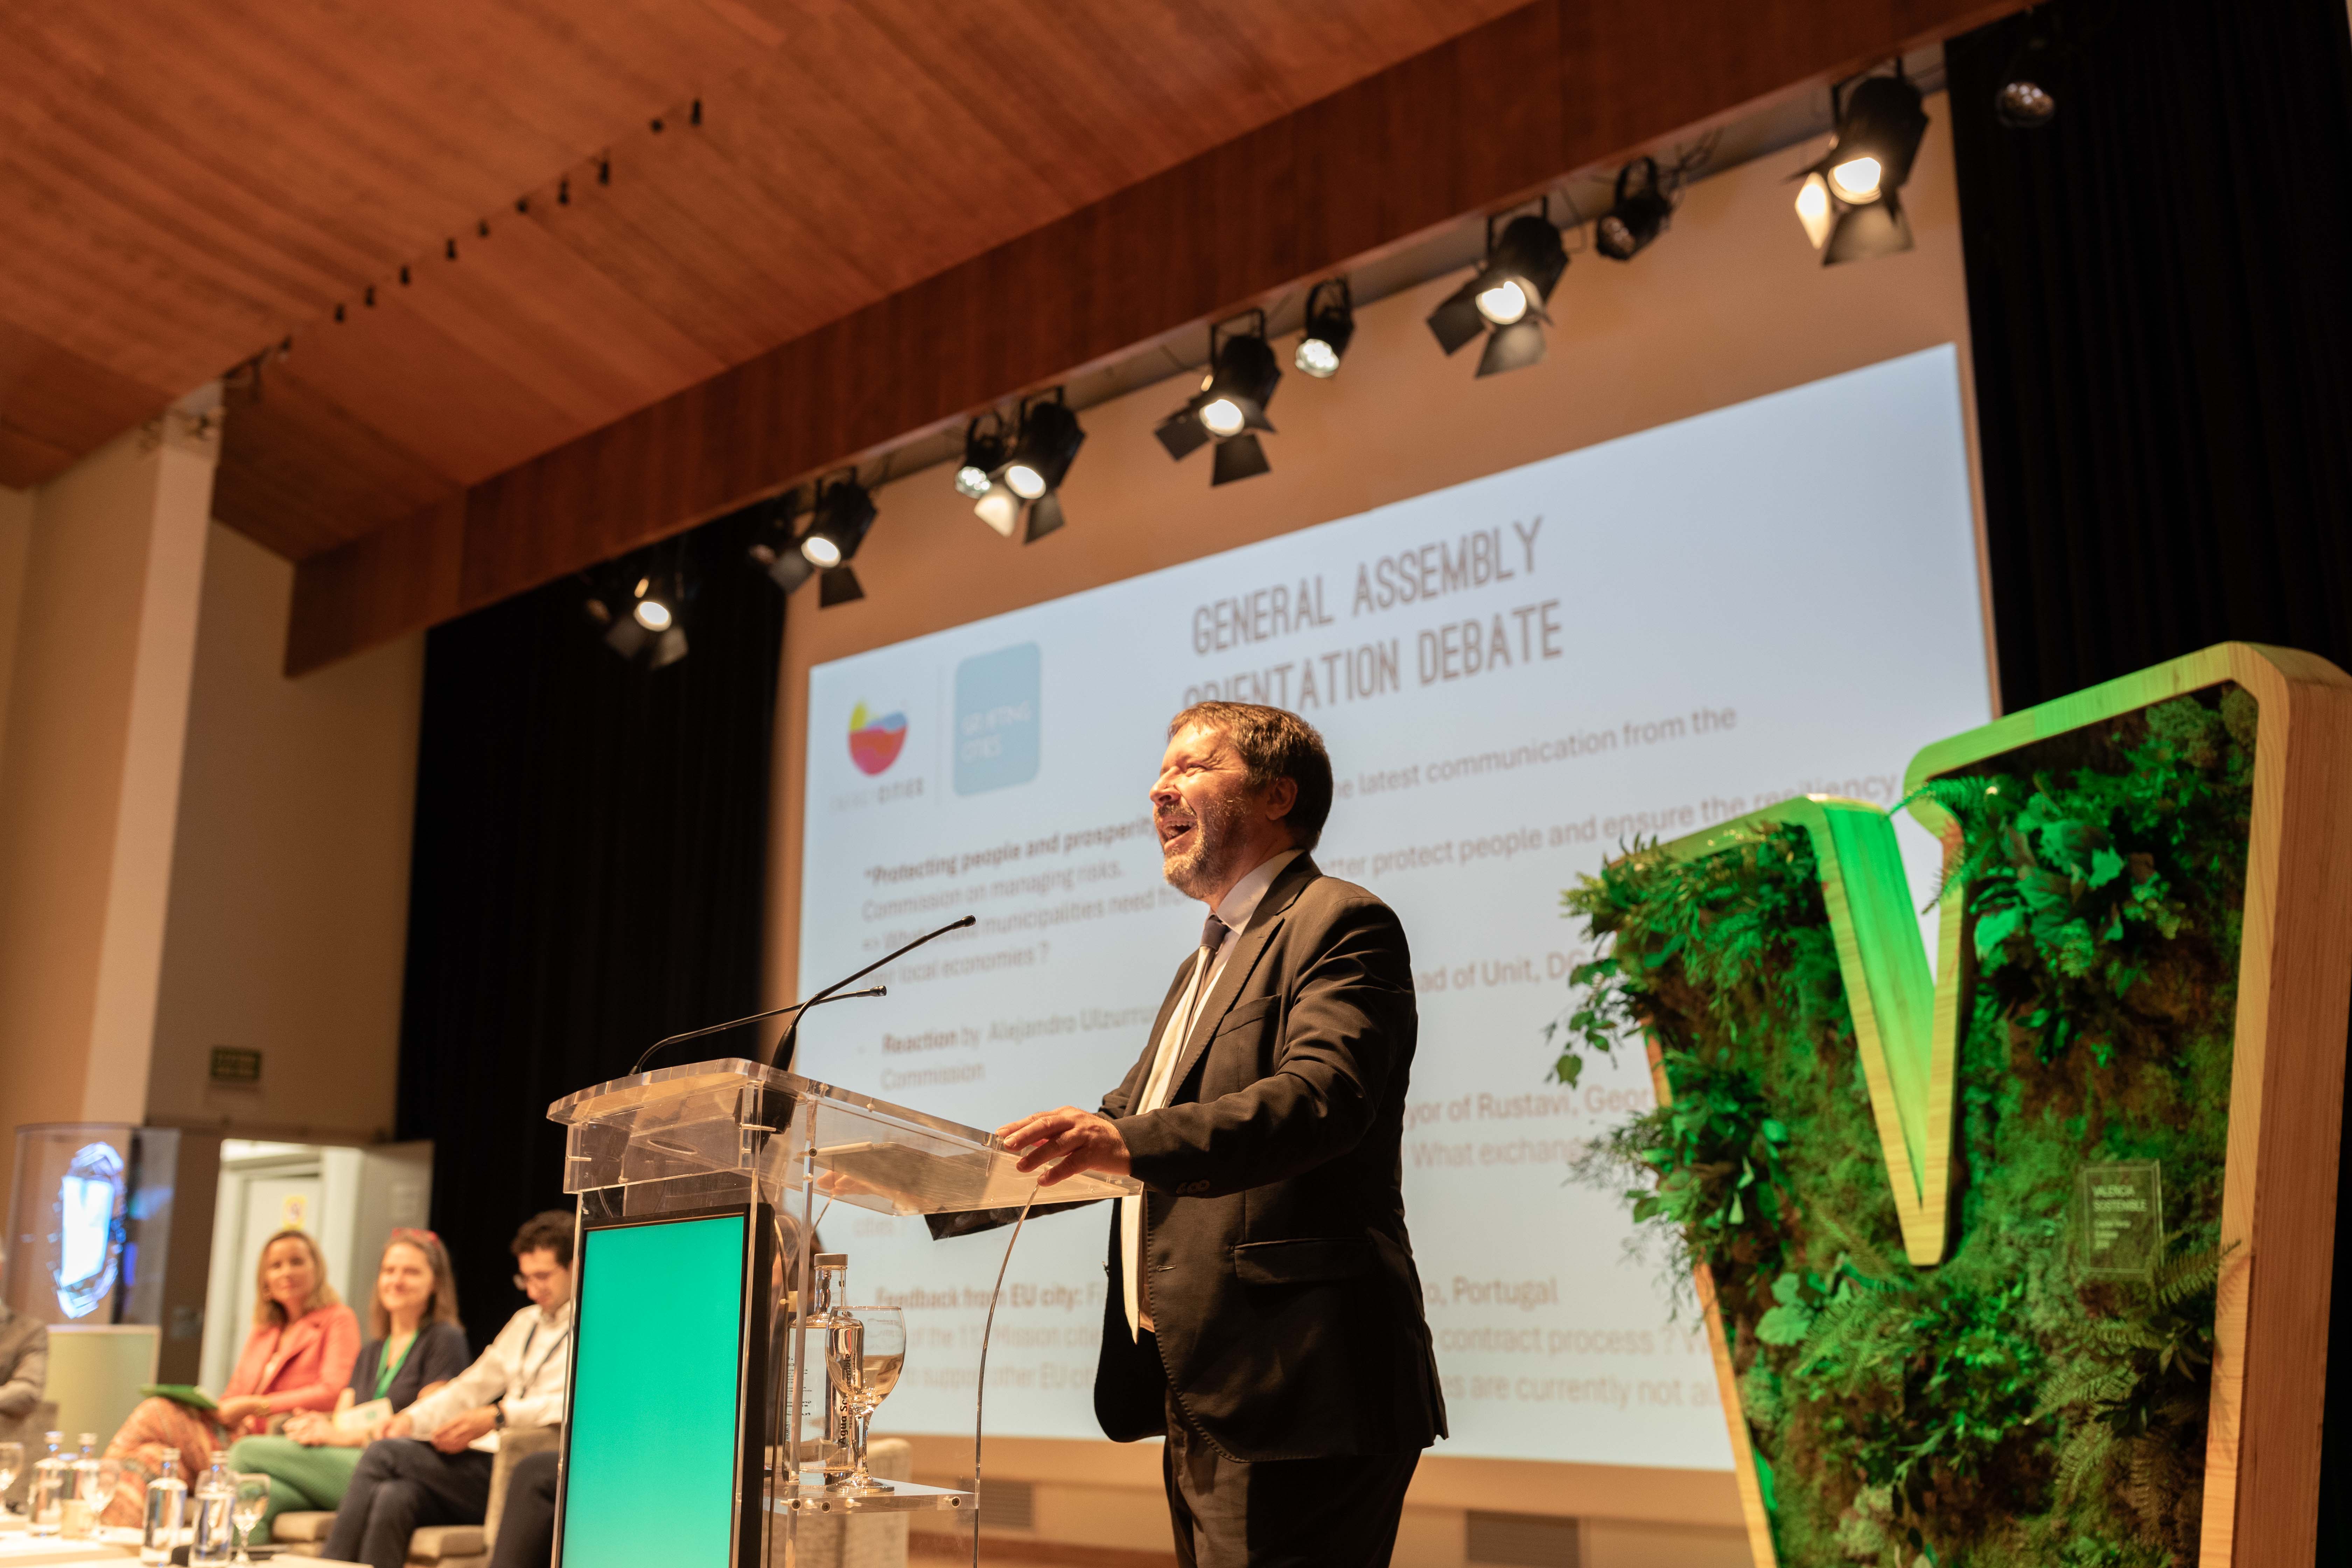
(395, 1434)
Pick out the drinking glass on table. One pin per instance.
(252, 1503)
(12, 1465)
(883, 1357)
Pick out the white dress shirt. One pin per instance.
(1234, 909)
(525, 1373)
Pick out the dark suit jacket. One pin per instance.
(1276, 1265)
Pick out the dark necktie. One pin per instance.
(1212, 935)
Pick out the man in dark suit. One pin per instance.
(1263, 1311)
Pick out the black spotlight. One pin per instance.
(641, 611)
(1848, 202)
(1230, 408)
(775, 546)
(1330, 324)
(844, 512)
(2027, 97)
(1047, 445)
(983, 453)
(1506, 294)
(1644, 209)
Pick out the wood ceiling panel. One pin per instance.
(310, 467)
(184, 188)
(398, 371)
(573, 335)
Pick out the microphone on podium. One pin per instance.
(833, 993)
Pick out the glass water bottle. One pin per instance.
(82, 1504)
(167, 1507)
(828, 1339)
(52, 1478)
(216, 1535)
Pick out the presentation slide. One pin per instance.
(1516, 677)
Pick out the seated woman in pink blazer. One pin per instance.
(299, 1357)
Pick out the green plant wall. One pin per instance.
(1999, 1409)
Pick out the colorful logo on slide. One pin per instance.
(874, 743)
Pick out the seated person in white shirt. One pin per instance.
(432, 1466)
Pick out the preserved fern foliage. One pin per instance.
(1997, 1411)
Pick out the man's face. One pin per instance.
(547, 1282)
(1208, 816)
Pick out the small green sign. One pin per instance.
(233, 1064)
(2120, 1205)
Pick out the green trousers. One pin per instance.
(301, 1478)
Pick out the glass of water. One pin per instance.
(883, 1357)
(252, 1503)
(12, 1465)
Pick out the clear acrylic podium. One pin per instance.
(697, 1181)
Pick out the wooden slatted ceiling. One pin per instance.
(184, 187)
(1476, 121)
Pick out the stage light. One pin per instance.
(639, 615)
(651, 612)
(844, 513)
(1230, 408)
(775, 548)
(1855, 181)
(1047, 445)
(1504, 299)
(1641, 213)
(1045, 442)
(1241, 384)
(2023, 105)
(1878, 135)
(1503, 303)
(1847, 201)
(983, 453)
(1331, 324)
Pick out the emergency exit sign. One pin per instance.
(235, 1064)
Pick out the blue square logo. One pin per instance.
(996, 718)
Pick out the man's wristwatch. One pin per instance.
(498, 1417)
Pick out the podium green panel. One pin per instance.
(657, 1381)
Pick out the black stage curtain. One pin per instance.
(2160, 302)
(589, 875)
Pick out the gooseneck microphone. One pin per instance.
(833, 993)
(785, 1045)
(770, 1013)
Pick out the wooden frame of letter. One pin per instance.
(2286, 1091)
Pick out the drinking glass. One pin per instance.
(884, 1357)
(252, 1503)
(12, 1465)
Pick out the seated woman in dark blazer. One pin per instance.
(414, 1345)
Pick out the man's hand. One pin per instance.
(460, 1430)
(1066, 1143)
(398, 1427)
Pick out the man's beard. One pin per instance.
(1199, 868)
